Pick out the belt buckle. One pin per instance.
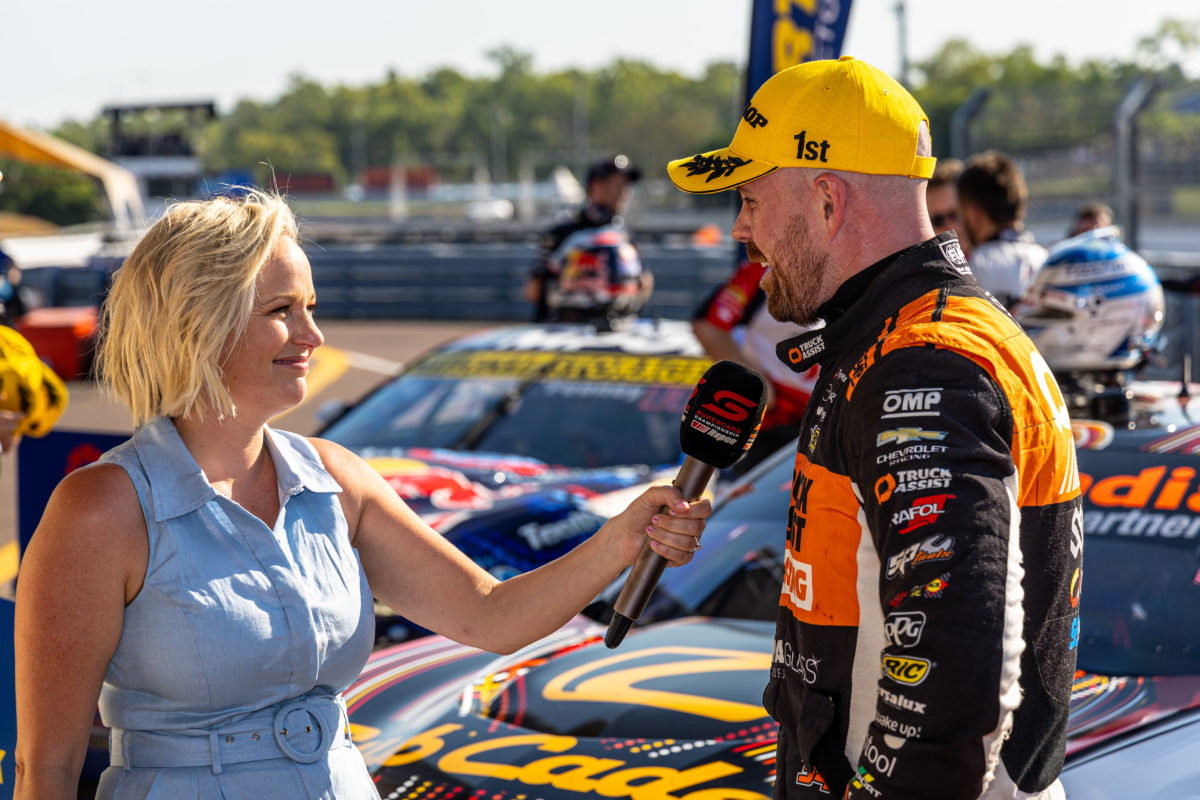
(288, 749)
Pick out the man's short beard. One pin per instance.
(797, 276)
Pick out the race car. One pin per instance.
(677, 709)
(516, 443)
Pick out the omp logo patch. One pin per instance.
(905, 435)
(907, 670)
(912, 402)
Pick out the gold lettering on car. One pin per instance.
(607, 777)
(603, 368)
(599, 681)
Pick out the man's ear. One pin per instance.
(829, 195)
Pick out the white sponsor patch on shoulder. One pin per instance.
(952, 250)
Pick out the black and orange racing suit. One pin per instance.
(928, 626)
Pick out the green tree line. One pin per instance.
(522, 117)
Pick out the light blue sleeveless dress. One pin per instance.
(226, 682)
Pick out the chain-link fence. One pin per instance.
(1135, 147)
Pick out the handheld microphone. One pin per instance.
(718, 426)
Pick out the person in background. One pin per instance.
(992, 198)
(608, 187)
(923, 645)
(941, 196)
(1089, 216)
(32, 396)
(221, 571)
(733, 324)
(12, 304)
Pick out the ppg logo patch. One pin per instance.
(903, 628)
(953, 253)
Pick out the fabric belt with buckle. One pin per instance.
(303, 729)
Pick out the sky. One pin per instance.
(67, 59)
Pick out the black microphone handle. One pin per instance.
(692, 479)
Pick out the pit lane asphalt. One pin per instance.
(356, 356)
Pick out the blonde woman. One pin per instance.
(210, 582)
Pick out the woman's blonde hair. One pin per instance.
(185, 291)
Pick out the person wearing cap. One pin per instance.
(608, 186)
(927, 625)
(992, 197)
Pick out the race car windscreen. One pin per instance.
(558, 408)
(1140, 607)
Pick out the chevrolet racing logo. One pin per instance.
(903, 435)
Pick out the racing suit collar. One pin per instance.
(915, 267)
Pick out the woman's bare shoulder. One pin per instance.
(99, 498)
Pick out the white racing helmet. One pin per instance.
(595, 274)
(1095, 305)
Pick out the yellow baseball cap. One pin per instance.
(845, 115)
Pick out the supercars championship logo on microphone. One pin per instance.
(724, 415)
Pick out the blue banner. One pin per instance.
(784, 33)
(42, 463)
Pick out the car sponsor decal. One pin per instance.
(1186, 441)
(1150, 503)
(1091, 434)
(538, 760)
(540, 535)
(622, 678)
(445, 488)
(598, 367)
